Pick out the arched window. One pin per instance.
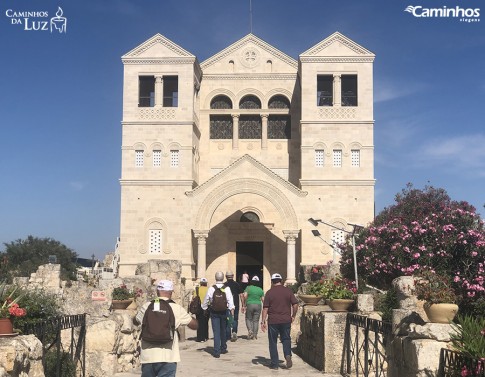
(250, 102)
(221, 102)
(249, 217)
(278, 102)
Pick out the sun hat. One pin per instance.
(229, 274)
(165, 285)
(276, 276)
(203, 280)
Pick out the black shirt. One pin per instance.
(235, 290)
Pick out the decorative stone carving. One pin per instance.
(338, 112)
(156, 113)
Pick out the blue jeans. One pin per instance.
(283, 329)
(158, 370)
(219, 323)
(234, 323)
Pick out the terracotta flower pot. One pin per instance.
(6, 326)
(340, 304)
(440, 313)
(310, 299)
(121, 304)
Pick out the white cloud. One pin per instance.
(387, 91)
(459, 152)
(77, 185)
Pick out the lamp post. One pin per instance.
(316, 233)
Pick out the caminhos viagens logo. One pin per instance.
(459, 13)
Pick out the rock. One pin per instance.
(437, 331)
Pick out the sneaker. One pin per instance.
(289, 363)
(274, 367)
(234, 337)
(216, 356)
(255, 337)
(224, 352)
(250, 335)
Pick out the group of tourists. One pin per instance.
(221, 304)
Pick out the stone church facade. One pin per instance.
(224, 161)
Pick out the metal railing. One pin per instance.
(366, 344)
(49, 333)
(455, 364)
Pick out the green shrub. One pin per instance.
(40, 305)
(385, 302)
(469, 338)
(67, 366)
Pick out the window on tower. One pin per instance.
(170, 91)
(146, 91)
(324, 90)
(349, 90)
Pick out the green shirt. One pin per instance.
(254, 294)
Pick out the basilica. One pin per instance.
(224, 161)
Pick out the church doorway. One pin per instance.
(249, 258)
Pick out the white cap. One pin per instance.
(165, 285)
(255, 278)
(276, 276)
(229, 274)
(203, 280)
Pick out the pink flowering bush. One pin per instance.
(9, 306)
(424, 231)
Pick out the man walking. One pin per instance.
(218, 300)
(231, 329)
(160, 359)
(279, 310)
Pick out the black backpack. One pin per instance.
(158, 326)
(219, 300)
(195, 306)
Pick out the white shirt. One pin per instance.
(210, 293)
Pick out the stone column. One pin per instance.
(337, 90)
(235, 131)
(291, 236)
(201, 236)
(158, 91)
(264, 131)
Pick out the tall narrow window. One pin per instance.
(349, 90)
(146, 91)
(139, 158)
(220, 127)
(337, 158)
(250, 127)
(157, 158)
(279, 127)
(155, 242)
(338, 238)
(319, 158)
(170, 91)
(324, 90)
(174, 158)
(355, 157)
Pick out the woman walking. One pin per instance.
(252, 299)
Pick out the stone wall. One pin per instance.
(111, 335)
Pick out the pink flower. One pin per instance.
(416, 255)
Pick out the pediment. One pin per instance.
(337, 45)
(158, 46)
(250, 54)
(246, 167)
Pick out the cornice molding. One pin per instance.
(160, 39)
(339, 38)
(337, 182)
(318, 59)
(153, 182)
(154, 61)
(248, 76)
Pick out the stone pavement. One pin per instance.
(248, 358)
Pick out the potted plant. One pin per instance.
(317, 272)
(313, 292)
(439, 296)
(341, 293)
(9, 309)
(122, 297)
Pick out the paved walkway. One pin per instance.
(248, 358)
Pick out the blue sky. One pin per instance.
(61, 98)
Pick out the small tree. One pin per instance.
(424, 231)
(23, 257)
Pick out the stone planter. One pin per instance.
(121, 304)
(440, 313)
(6, 326)
(310, 299)
(340, 304)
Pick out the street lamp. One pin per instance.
(316, 233)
